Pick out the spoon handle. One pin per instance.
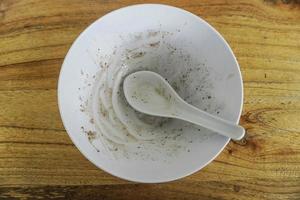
(192, 114)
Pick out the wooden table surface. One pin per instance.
(38, 159)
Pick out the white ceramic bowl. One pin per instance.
(173, 39)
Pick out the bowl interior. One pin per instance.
(178, 44)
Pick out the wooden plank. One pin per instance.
(184, 190)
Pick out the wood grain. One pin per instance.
(38, 160)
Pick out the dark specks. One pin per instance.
(92, 121)
(154, 44)
(91, 135)
(182, 80)
(137, 55)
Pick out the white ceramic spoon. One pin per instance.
(150, 93)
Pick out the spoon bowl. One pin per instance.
(149, 93)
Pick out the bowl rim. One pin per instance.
(59, 86)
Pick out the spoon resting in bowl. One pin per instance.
(150, 93)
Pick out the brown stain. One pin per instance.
(255, 144)
(252, 143)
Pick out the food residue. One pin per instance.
(121, 131)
